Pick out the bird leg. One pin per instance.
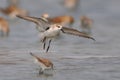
(40, 71)
(48, 46)
(44, 45)
(44, 42)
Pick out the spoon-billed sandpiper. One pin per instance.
(64, 20)
(44, 64)
(49, 31)
(4, 27)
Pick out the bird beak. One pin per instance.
(62, 30)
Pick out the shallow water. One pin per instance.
(74, 58)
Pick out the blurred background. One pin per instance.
(74, 58)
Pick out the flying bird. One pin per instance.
(49, 31)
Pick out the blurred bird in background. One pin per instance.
(64, 20)
(4, 27)
(13, 9)
(71, 4)
(86, 24)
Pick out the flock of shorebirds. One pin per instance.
(48, 27)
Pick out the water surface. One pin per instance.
(74, 58)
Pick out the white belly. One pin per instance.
(51, 34)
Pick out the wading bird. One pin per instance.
(44, 63)
(12, 11)
(4, 27)
(64, 20)
(86, 24)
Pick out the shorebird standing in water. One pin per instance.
(44, 64)
(4, 27)
(64, 20)
(86, 24)
(12, 11)
(50, 31)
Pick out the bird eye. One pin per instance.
(58, 26)
(47, 28)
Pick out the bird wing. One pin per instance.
(46, 62)
(41, 23)
(42, 60)
(76, 32)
